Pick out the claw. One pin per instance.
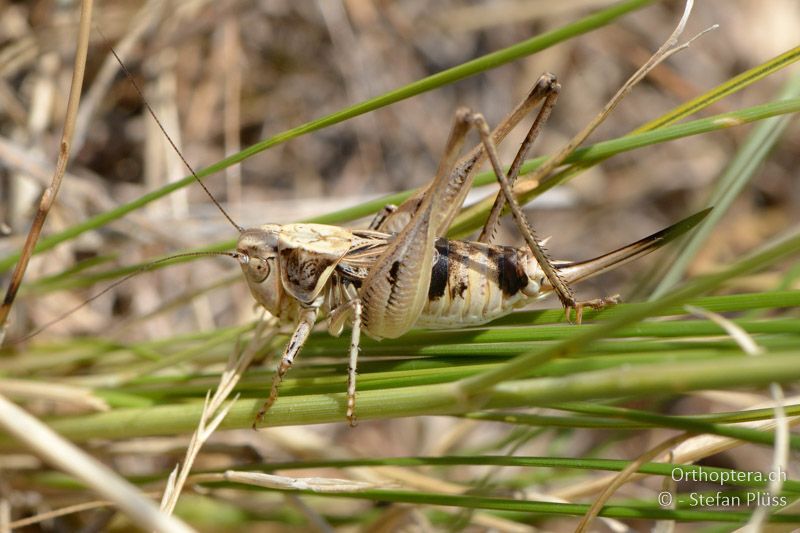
(597, 304)
(259, 417)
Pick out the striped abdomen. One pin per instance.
(473, 283)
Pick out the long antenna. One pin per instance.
(164, 131)
(149, 266)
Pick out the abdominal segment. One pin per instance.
(473, 283)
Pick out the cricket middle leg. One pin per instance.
(336, 318)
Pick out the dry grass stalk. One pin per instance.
(213, 407)
(69, 458)
(50, 193)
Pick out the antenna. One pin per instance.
(164, 131)
(242, 258)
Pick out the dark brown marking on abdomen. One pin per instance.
(439, 270)
(461, 253)
(455, 260)
(393, 272)
(511, 274)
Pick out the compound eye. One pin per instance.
(259, 269)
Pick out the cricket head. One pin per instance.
(290, 263)
(258, 250)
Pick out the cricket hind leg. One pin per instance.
(305, 323)
(396, 289)
(595, 303)
(560, 287)
(394, 219)
(548, 88)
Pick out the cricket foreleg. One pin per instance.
(550, 88)
(306, 321)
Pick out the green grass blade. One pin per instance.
(440, 399)
(740, 171)
(735, 84)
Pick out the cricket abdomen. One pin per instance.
(473, 283)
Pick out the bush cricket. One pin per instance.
(402, 272)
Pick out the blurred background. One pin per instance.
(224, 75)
